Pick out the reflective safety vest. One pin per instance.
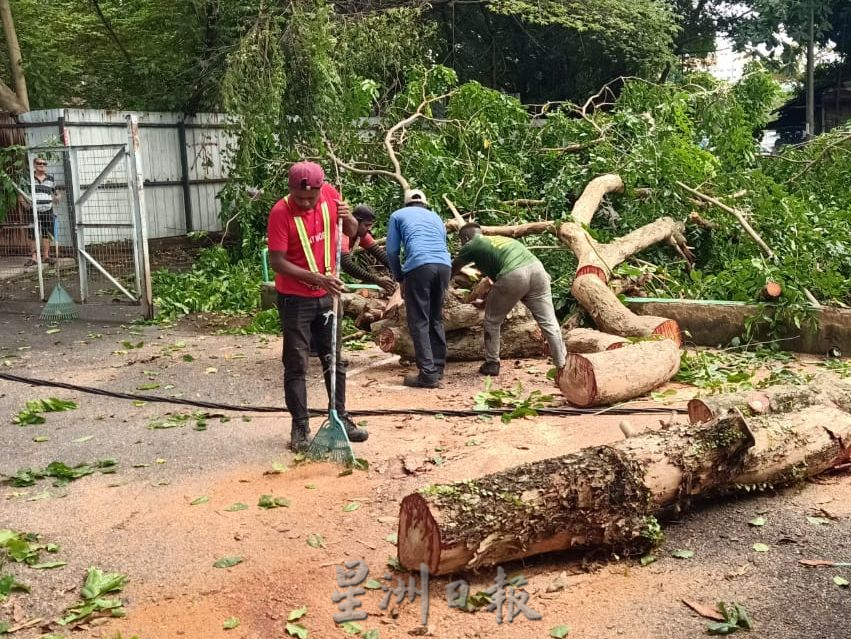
(305, 241)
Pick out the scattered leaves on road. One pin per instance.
(227, 562)
(230, 623)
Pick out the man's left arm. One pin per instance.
(377, 251)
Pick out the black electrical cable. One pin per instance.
(615, 410)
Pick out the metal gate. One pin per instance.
(98, 246)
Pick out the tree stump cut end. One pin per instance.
(590, 269)
(581, 389)
(699, 412)
(386, 339)
(419, 535)
(669, 329)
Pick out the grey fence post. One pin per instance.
(140, 219)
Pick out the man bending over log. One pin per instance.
(518, 276)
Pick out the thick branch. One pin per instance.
(663, 229)
(15, 63)
(458, 219)
(9, 101)
(589, 201)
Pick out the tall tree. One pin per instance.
(808, 23)
(16, 101)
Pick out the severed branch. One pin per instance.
(523, 202)
(573, 148)
(735, 213)
(816, 159)
(396, 173)
(748, 229)
(458, 220)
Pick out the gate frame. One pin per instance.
(130, 152)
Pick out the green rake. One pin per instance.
(60, 306)
(331, 441)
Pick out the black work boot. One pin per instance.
(300, 435)
(489, 368)
(421, 380)
(354, 433)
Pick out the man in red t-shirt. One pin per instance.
(302, 234)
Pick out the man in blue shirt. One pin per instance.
(424, 278)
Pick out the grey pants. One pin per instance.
(529, 284)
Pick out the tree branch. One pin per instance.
(735, 213)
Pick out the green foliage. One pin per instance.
(731, 371)
(61, 472)
(214, 283)
(510, 398)
(97, 584)
(735, 618)
(31, 413)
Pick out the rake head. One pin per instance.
(59, 307)
(331, 442)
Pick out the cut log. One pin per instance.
(611, 316)
(771, 292)
(823, 389)
(363, 309)
(607, 495)
(587, 340)
(518, 339)
(456, 316)
(599, 379)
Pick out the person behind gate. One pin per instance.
(518, 276)
(302, 231)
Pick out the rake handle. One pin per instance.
(335, 304)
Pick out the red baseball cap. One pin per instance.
(306, 175)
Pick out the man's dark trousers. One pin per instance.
(425, 288)
(301, 317)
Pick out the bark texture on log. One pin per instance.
(613, 317)
(519, 339)
(608, 377)
(823, 389)
(587, 340)
(607, 495)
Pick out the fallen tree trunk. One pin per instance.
(613, 317)
(776, 399)
(607, 495)
(587, 340)
(608, 377)
(518, 338)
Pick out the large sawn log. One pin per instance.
(608, 377)
(520, 338)
(608, 495)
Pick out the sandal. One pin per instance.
(30, 262)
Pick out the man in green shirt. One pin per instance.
(518, 276)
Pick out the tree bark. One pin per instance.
(586, 340)
(822, 389)
(608, 377)
(21, 103)
(519, 338)
(607, 495)
(613, 317)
